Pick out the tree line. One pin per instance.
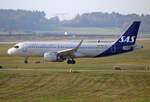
(26, 20)
(99, 19)
(36, 20)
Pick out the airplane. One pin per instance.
(61, 51)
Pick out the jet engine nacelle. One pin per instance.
(52, 57)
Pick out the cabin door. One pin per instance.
(24, 48)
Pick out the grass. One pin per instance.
(31, 86)
(141, 56)
(90, 30)
(44, 86)
(75, 30)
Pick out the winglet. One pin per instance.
(76, 48)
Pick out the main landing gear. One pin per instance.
(26, 60)
(71, 61)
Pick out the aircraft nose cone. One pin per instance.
(10, 51)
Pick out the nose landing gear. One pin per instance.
(26, 60)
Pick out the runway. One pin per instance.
(77, 70)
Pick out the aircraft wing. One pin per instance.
(69, 52)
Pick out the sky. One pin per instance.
(67, 9)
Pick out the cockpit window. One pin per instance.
(16, 46)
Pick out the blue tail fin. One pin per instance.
(125, 43)
(129, 37)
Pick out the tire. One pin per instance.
(26, 62)
(73, 61)
(69, 62)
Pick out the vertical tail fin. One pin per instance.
(125, 43)
(129, 37)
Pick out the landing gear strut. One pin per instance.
(71, 61)
(26, 60)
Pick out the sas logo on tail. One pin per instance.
(128, 39)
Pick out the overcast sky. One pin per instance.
(69, 8)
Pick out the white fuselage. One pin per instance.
(37, 49)
(60, 51)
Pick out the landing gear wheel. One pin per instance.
(73, 61)
(69, 62)
(26, 62)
